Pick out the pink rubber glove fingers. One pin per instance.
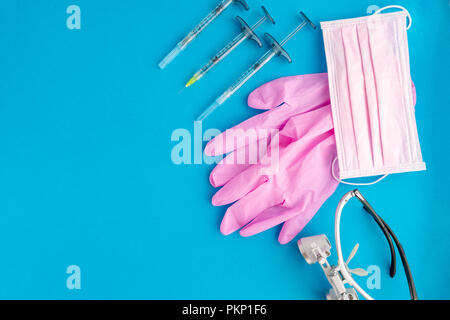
(300, 185)
(294, 219)
(315, 185)
(235, 163)
(239, 186)
(304, 129)
(303, 165)
(260, 126)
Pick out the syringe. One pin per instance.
(198, 29)
(247, 33)
(276, 49)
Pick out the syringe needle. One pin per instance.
(198, 29)
(247, 33)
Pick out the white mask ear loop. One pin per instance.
(397, 7)
(350, 183)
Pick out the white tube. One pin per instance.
(337, 234)
(170, 56)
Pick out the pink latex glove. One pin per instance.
(298, 95)
(301, 181)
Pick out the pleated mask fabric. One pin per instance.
(371, 95)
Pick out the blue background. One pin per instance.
(86, 176)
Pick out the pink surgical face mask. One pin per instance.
(371, 95)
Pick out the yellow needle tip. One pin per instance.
(191, 81)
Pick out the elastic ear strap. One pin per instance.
(397, 7)
(350, 183)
